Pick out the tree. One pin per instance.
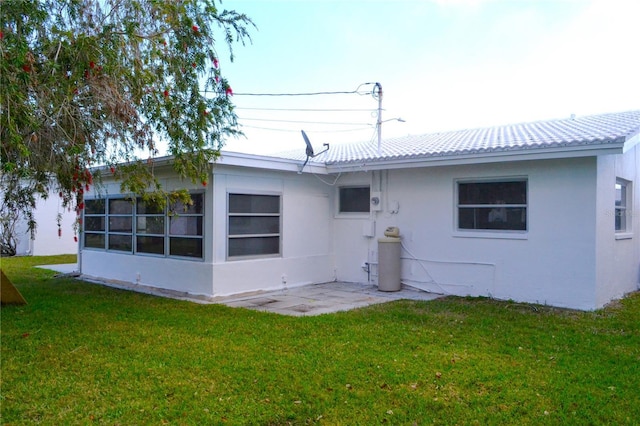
(87, 83)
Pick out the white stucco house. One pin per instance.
(543, 212)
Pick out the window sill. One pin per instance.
(253, 257)
(624, 235)
(492, 235)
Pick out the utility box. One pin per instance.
(389, 249)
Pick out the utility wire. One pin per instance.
(296, 94)
(307, 122)
(298, 130)
(309, 109)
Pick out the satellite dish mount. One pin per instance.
(309, 151)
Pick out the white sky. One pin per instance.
(443, 65)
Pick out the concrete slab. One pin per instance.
(320, 299)
(63, 268)
(308, 300)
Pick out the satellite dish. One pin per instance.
(309, 147)
(309, 150)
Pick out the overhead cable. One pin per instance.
(305, 121)
(298, 130)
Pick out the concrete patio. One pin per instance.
(309, 300)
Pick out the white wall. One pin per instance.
(306, 232)
(558, 261)
(185, 275)
(46, 240)
(553, 263)
(618, 255)
(351, 245)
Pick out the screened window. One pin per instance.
(137, 227)
(253, 225)
(354, 199)
(622, 205)
(186, 228)
(150, 228)
(492, 205)
(120, 221)
(94, 224)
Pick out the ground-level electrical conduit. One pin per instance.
(421, 262)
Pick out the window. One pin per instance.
(120, 225)
(254, 225)
(150, 228)
(117, 223)
(186, 228)
(622, 205)
(493, 205)
(354, 199)
(94, 224)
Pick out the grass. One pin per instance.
(80, 353)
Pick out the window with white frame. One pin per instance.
(254, 223)
(622, 205)
(119, 224)
(497, 205)
(354, 199)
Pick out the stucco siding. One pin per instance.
(190, 276)
(618, 254)
(306, 233)
(46, 240)
(553, 262)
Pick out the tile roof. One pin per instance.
(593, 130)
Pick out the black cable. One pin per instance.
(309, 109)
(298, 130)
(304, 121)
(296, 94)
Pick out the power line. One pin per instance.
(297, 94)
(307, 122)
(309, 109)
(298, 130)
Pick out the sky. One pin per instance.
(442, 65)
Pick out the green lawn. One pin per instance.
(80, 353)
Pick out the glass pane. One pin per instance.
(150, 224)
(120, 206)
(499, 218)
(94, 206)
(354, 200)
(94, 223)
(493, 193)
(120, 242)
(254, 246)
(119, 224)
(144, 208)
(94, 240)
(247, 203)
(621, 220)
(241, 225)
(191, 247)
(185, 225)
(621, 195)
(196, 208)
(150, 245)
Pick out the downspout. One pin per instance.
(80, 255)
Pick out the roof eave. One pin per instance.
(239, 159)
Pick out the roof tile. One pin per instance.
(575, 131)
